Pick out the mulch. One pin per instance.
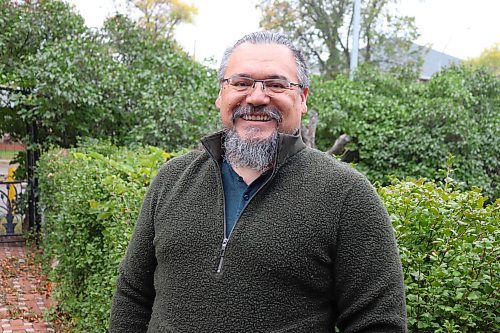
(24, 290)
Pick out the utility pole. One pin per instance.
(356, 27)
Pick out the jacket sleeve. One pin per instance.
(133, 300)
(369, 289)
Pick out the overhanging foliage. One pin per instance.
(118, 83)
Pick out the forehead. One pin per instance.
(262, 61)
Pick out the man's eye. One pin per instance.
(242, 83)
(276, 84)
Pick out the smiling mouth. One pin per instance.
(249, 117)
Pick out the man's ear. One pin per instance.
(303, 99)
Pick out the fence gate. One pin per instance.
(12, 209)
(13, 205)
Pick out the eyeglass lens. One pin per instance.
(241, 83)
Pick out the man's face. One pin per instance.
(260, 62)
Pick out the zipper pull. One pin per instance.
(222, 253)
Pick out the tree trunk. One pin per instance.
(309, 136)
(309, 132)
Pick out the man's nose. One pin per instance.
(258, 96)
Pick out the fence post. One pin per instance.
(32, 155)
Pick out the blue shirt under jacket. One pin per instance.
(237, 193)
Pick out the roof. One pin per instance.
(433, 61)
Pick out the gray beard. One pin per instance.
(250, 153)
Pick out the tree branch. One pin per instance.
(338, 147)
(313, 51)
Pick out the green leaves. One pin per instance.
(119, 83)
(449, 248)
(90, 200)
(402, 127)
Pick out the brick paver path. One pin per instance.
(23, 292)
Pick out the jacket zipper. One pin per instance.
(222, 253)
(226, 239)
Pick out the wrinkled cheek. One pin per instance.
(226, 115)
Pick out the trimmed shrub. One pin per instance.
(449, 247)
(90, 199)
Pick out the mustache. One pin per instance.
(266, 110)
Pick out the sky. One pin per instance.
(461, 28)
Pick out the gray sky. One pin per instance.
(461, 28)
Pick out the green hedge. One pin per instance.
(90, 200)
(448, 239)
(403, 127)
(449, 247)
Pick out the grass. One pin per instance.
(7, 154)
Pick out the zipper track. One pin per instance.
(225, 239)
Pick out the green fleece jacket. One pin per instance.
(314, 248)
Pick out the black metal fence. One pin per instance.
(19, 198)
(19, 209)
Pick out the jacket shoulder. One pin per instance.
(175, 168)
(327, 167)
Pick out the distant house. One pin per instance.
(432, 61)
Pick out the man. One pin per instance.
(257, 233)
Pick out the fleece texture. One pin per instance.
(314, 248)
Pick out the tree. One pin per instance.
(489, 58)
(27, 29)
(162, 16)
(118, 83)
(168, 96)
(323, 28)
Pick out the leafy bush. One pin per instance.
(90, 198)
(169, 96)
(118, 83)
(405, 128)
(449, 247)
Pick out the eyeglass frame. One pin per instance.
(290, 84)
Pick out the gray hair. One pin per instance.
(268, 37)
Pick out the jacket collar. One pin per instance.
(288, 145)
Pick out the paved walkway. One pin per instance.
(23, 291)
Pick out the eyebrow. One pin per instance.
(269, 77)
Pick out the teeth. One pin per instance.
(256, 118)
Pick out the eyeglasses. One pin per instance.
(270, 86)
